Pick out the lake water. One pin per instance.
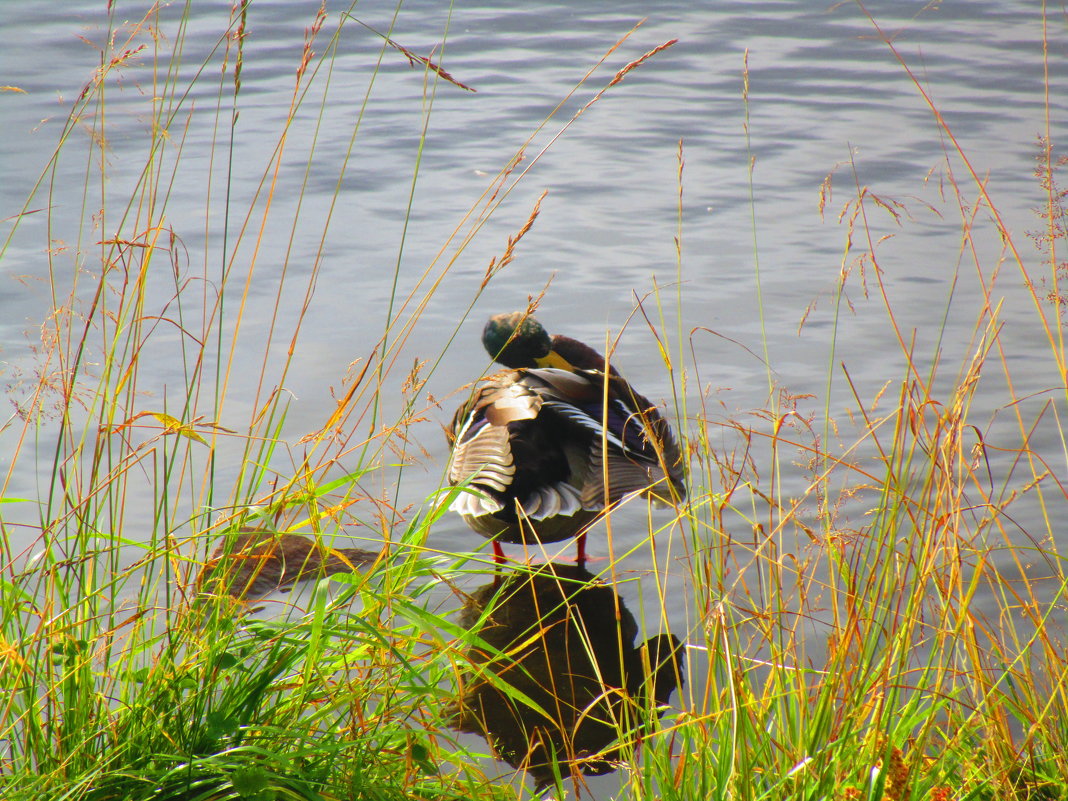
(825, 95)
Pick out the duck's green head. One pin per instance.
(516, 339)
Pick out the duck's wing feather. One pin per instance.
(482, 453)
(558, 499)
(622, 477)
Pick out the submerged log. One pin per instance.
(261, 561)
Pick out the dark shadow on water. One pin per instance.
(557, 675)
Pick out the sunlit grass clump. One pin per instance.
(889, 631)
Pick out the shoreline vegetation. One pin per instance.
(826, 657)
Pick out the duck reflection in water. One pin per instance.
(554, 636)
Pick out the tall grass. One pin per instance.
(917, 652)
(122, 678)
(838, 647)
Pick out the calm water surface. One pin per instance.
(825, 95)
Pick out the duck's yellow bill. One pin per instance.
(554, 359)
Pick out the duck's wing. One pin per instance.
(506, 455)
(631, 446)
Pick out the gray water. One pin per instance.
(825, 95)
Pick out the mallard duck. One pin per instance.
(259, 561)
(539, 451)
